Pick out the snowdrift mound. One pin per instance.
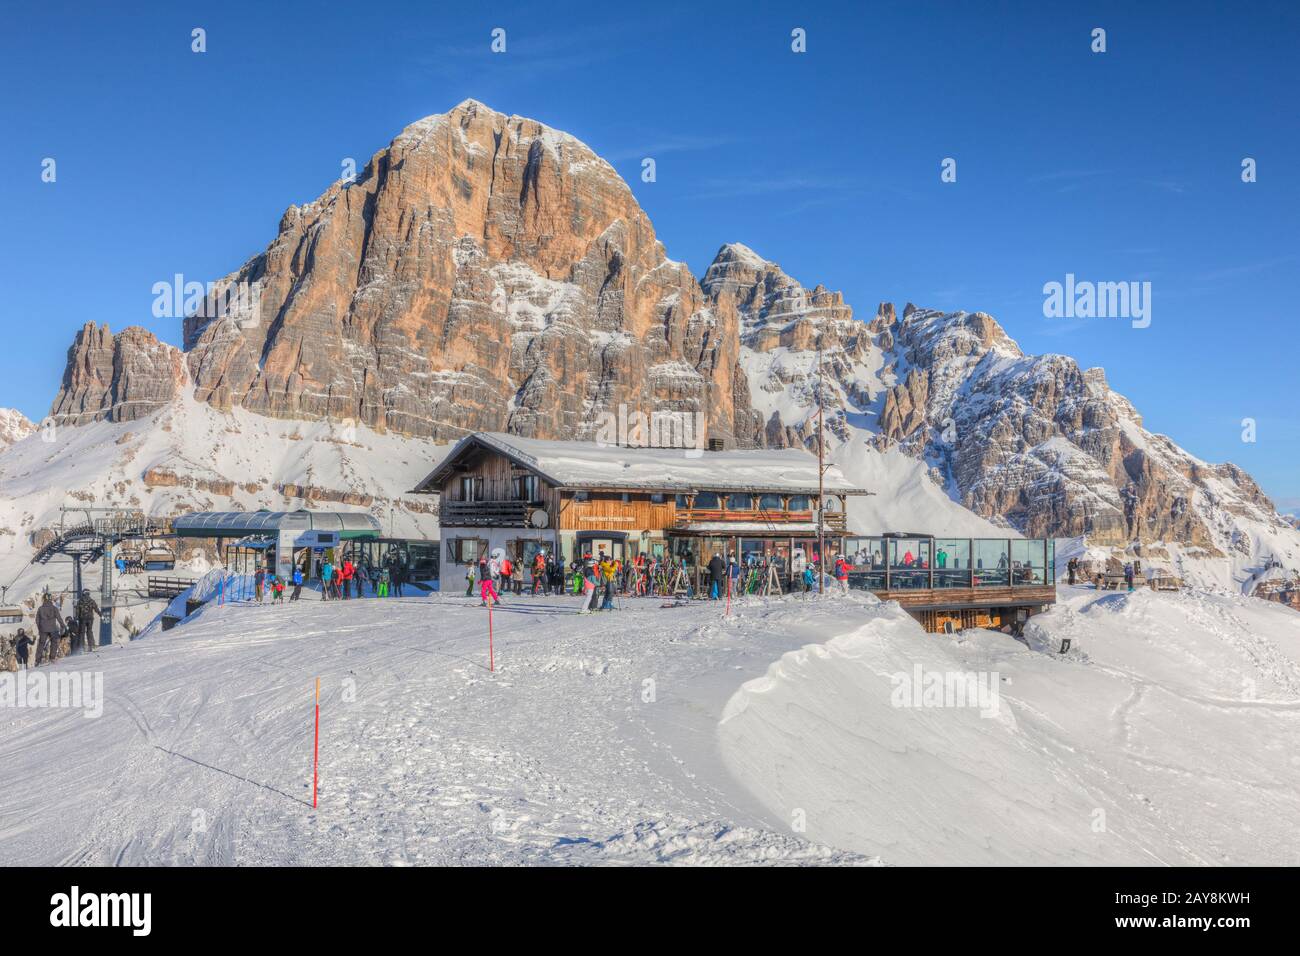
(1163, 736)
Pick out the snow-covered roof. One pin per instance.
(576, 464)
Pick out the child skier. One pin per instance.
(486, 588)
(21, 646)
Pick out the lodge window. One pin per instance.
(771, 503)
(466, 550)
(471, 488)
(707, 500)
(800, 503)
(526, 488)
(658, 497)
(740, 501)
(683, 501)
(581, 496)
(626, 497)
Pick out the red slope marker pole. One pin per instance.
(491, 657)
(315, 757)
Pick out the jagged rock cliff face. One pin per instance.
(781, 327)
(1033, 440)
(118, 377)
(484, 272)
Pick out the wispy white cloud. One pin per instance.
(661, 146)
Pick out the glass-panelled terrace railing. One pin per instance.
(896, 562)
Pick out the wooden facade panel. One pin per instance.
(610, 512)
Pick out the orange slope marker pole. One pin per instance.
(315, 757)
(492, 665)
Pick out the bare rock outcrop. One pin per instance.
(118, 377)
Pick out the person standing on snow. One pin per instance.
(608, 570)
(1128, 575)
(297, 583)
(495, 568)
(49, 627)
(86, 611)
(22, 644)
(486, 588)
(345, 577)
(326, 579)
(469, 581)
(259, 583)
(717, 576)
(539, 573)
(842, 573)
(590, 581)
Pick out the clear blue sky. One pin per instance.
(1116, 166)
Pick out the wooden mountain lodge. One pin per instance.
(576, 498)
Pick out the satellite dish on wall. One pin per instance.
(538, 518)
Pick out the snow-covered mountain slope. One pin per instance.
(14, 426)
(670, 736)
(189, 456)
(1034, 441)
(590, 743)
(1161, 737)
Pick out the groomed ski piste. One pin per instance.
(784, 733)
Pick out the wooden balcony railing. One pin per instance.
(485, 514)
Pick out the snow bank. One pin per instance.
(1161, 737)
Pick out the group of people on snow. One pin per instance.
(56, 636)
(339, 582)
(599, 580)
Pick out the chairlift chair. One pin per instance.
(159, 558)
(9, 613)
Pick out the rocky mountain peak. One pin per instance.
(14, 427)
(484, 272)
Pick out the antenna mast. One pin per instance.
(821, 471)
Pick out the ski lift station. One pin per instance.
(767, 507)
(246, 540)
